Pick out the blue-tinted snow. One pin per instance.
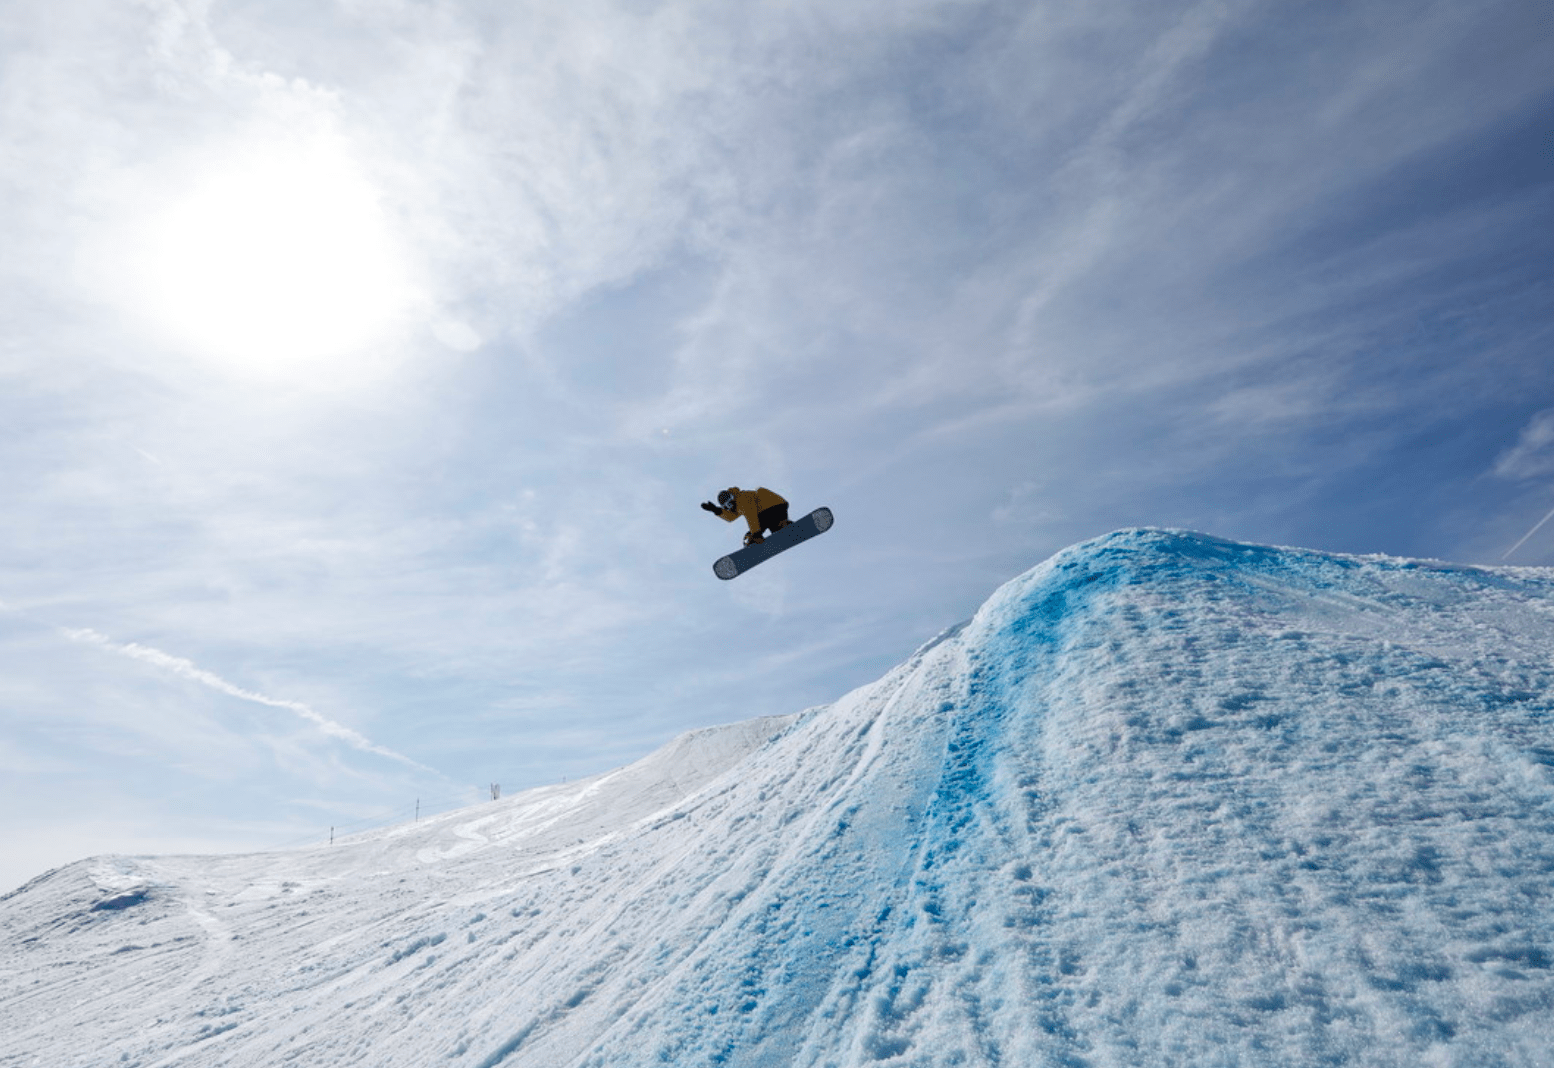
(1166, 800)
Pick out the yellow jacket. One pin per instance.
(750, 503)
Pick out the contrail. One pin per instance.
(1536, 527)
(189, 670)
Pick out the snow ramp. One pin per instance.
(1165, 800)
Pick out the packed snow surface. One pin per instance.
(1166, 800)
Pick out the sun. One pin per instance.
(275, 261)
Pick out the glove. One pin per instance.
(708, 506)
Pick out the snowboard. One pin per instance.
(737, 563)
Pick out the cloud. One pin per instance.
(1533, 454)
(1531, 457)
(188, 670)
(1074, 264)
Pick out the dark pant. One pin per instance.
(773, 517)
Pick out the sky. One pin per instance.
(364, 362)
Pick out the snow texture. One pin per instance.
(1166, 800)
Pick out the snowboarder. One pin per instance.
(762, 509)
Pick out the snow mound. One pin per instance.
(1165, 800)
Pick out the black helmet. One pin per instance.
(726, 498)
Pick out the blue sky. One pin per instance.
(364, 362)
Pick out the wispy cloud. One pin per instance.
(1533, 454)
(1531, 457)
(189, 670)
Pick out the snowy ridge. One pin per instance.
(1165, 800)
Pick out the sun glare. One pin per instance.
(276, 263)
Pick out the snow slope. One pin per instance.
(1166, 800)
